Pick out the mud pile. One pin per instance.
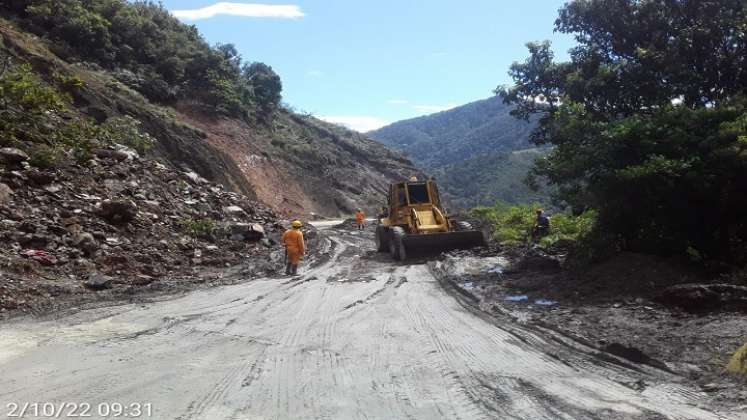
(642, 309)
(119, 221)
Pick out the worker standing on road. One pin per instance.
(294, 247)
(360, 217)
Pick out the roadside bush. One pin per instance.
(512, 224)
(564, 226)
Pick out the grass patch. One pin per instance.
(513, 224)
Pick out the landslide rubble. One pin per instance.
(120, 222)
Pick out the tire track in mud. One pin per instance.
(607, 380)
(395, 346)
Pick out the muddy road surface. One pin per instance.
(355, 337)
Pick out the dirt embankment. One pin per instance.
(300, 165)
(640, 308)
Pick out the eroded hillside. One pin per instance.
(295, 164)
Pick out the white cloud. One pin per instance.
(397, 101)
(241, 9)
(430, 109)
(361, 124)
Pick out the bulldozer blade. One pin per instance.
(435, 243)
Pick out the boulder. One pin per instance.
(6, 194)
(194, 178)
(12, 156)
(115, 155)
(98, 282)
(233, 210)
(40, 178)
(118, 212)
(86, 243)
(34, 240)
(251, 232)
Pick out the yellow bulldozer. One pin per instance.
(414, 222)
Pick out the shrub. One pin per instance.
(126, 131)
(512, 224)
(198, 228)
(43, 157)
(26, 102)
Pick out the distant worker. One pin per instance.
(541, 225)
(383, 213)
(360, 217)
(294, 248)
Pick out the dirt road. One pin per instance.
(356, 337)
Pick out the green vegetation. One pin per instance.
(126, 131)
(648, 121)
(39, 119)
(512, 224)
(152, 52)
(26, 102)
(492, 177)
(198, 228)
(470, 150)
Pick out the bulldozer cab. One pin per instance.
(416, 206)
(415, 222)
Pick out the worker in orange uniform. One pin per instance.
(294, 248)
(360, 217)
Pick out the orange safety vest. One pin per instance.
(360, 217)
(294, 245)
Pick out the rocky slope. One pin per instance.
(119, 222)
(85, 218)
(479, 151)
(295, 164)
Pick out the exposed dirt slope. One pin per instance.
(301, 164)
(295, 164)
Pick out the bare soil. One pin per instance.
(613, 307)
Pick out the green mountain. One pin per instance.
(478, 151)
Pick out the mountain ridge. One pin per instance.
(477, 150)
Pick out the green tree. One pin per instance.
(647, 120)
(266, 86)
(152, 52)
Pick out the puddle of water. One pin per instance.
(468, 286)
(474, 265)
(325, 224)
(545, 302)
(519, 298)
(498, 269)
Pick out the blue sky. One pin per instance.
(368, 63)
